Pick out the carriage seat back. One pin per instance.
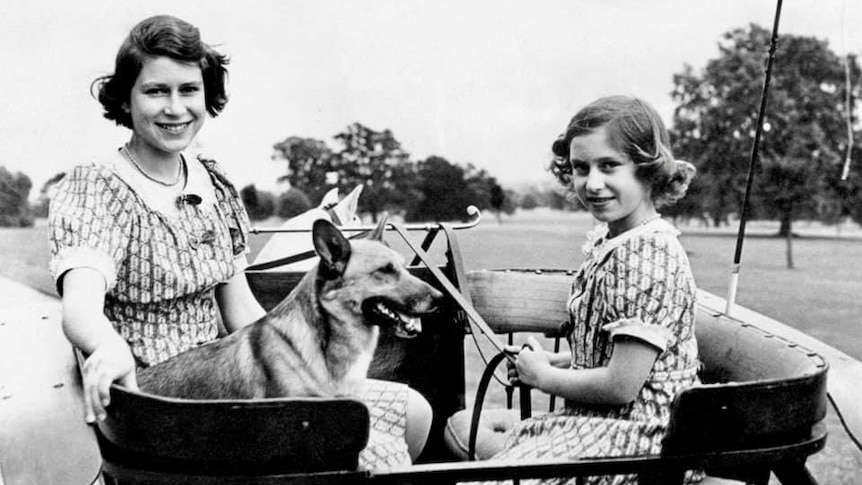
(151, 439)
(758, 389)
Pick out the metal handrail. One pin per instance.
(472, 210)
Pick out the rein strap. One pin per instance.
(453, 292)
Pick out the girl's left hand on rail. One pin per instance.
(532, 363)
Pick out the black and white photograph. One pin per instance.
(410, 241)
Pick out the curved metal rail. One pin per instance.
(473, 211)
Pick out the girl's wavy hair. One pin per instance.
(635, 129)
(160, 36)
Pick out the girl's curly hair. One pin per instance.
(635, 129)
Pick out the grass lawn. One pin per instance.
(24, 256)
(821, 296)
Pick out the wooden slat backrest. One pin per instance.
(757, 386)
(247, 437)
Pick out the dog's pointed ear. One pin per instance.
(330, 199)
(332, 247)
(353, 199)
(377, 233)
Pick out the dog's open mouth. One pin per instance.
(384, 313)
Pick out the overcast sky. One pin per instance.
(491, 83)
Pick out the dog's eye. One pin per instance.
(389, 269)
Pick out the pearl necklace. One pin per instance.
(642, 223)
(128, 154)
(648, 220)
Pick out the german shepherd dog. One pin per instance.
(318, 341)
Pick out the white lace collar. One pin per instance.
(598, 244)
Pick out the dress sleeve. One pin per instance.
(231, 206)
(87, 225)
(648, 288)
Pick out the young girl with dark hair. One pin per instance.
(149, 245)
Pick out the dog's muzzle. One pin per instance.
(382, 312)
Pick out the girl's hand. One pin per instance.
(110, 362)
(511, 370)
(532, 363)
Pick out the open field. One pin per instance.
(821, 296)
(24, 256)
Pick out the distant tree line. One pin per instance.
(429, 189)
(15, 210)
(804, 147)
(804, 144)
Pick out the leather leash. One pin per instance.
(453, 292)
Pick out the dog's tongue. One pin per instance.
(413, 325)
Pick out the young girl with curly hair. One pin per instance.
(632, 303)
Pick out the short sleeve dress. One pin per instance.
(162, 257)
(637, 285)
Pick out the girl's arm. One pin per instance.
(556, 359)
(616, 384)
(561, 359)
(237, 303)
(85, 325)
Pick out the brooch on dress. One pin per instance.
(203, 237)
(190, 199)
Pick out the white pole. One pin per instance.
(731, 289)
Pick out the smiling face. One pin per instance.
(604, 181)
(167, 106)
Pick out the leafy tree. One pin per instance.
(529, 201)
(854, 197)
(430, 190)
(442, 190)
(804, 133)
(260, 204)
(376, 160)
(14, 206)
(550, 195)
(292, 203)
(40, 209)
(487, 192)
(365, 157)
(498, 198)
(502, 200)
(310, 165)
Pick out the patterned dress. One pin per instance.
(162, 260)
(638, 285)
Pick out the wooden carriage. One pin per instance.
(760, 409)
